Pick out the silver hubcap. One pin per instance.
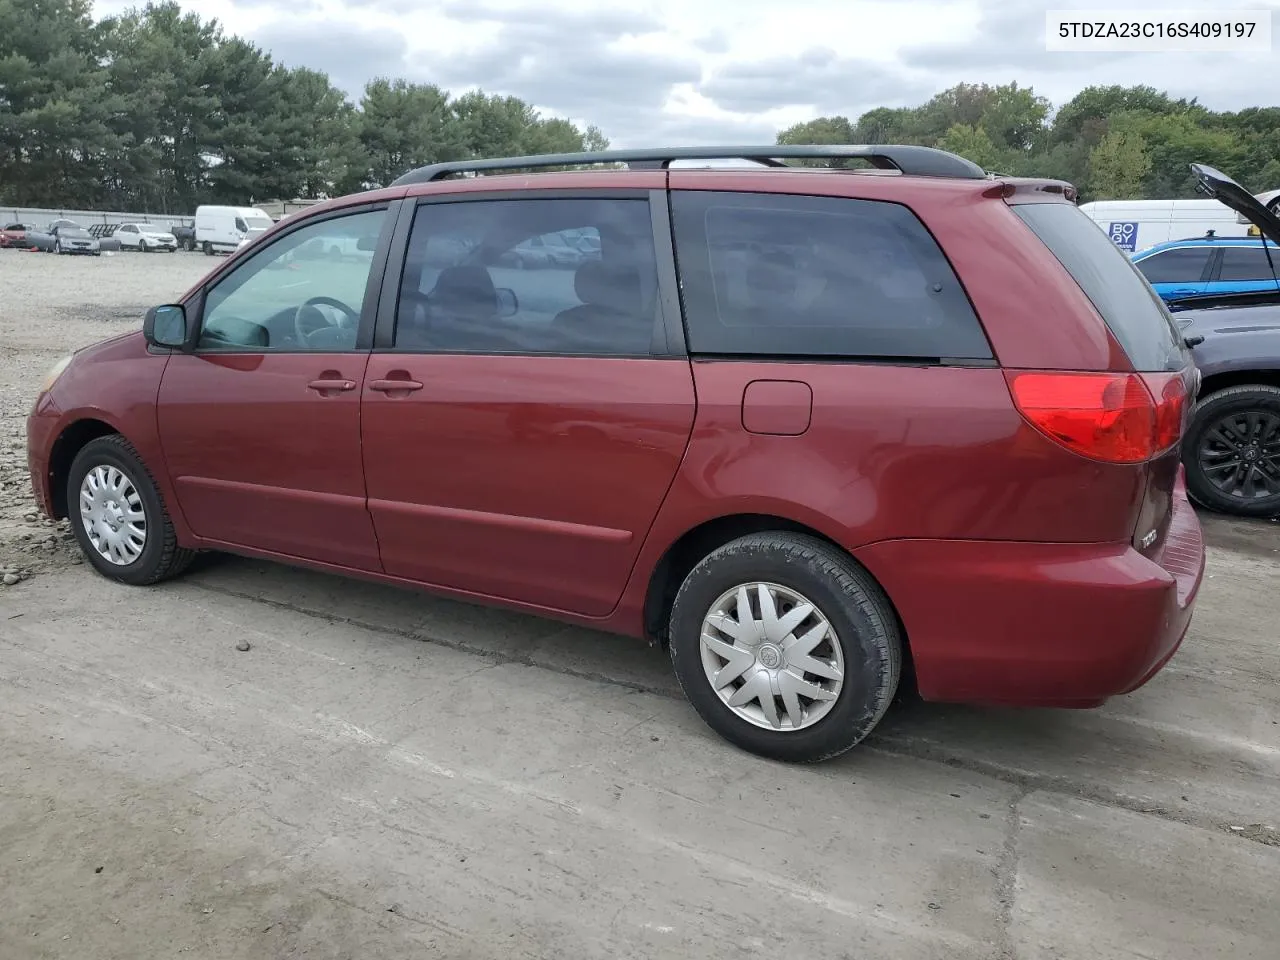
(112, 513)
(771, 656)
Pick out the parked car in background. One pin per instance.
(225, 229)
(146, 238)
(14, 236)
(185, 235)
(815, 436)
(104, 234)
(565, 250)
(66, 237)
(1210, 265)
(1232, 448)
(45, 240)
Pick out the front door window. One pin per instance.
(303, 292)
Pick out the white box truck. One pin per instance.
(220, 229)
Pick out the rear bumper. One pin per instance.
(1037, 624)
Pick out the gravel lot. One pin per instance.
(390, 775)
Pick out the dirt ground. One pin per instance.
(388, 775)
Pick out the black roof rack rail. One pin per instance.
(905, 158)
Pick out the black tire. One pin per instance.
(208, 249)
(855, 606)
(1209, 413)
(161, 557)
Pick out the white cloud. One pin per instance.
(702, 71)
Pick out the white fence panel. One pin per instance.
(41, 216)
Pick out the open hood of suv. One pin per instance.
(1216, 184)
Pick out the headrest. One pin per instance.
(467, 283)
(608, 285)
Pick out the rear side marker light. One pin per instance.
(1111, 417)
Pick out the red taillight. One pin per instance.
(1105, 416)
(1170, 392)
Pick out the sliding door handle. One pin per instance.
(395, 386)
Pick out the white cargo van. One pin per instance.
(1135, 225)
(226, 228)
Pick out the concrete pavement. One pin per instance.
(389, 775)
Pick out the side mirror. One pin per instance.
(367, 243)
(508, 302)
(166, 326)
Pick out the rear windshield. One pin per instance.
(1134, 312)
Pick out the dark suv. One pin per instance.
(806, 427)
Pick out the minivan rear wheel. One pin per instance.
(785, 646)
(1232, 451)
(118, 516)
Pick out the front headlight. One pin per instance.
(54, 373)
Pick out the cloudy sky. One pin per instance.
(707, 71)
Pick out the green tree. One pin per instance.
(1117, 166)
(824, 130)
(1175, 142)
(55, 135)
(1085, 114)
(972, 143)
(319, 149)
(1015, 118)
(1268, 177)
(405, 125)
(883, 125)
(164, 66)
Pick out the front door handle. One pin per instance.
(327, 386)
(395, 386)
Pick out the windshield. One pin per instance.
(258, 223)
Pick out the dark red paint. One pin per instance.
(260, 458)
(527, 478)
(558, 485)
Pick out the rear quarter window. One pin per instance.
(783, 275)
(1133, 311)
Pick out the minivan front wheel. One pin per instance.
(1232, 451)
(118, 516)
(785, 646)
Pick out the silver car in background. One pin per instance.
(64, 236)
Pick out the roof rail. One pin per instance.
(907, 159)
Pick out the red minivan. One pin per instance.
(809, 428)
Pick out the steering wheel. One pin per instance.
(308, 320)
